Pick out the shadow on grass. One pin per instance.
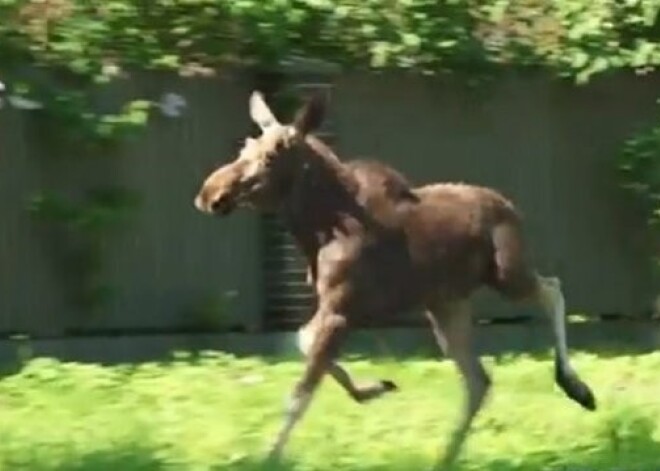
(124, 458)
(626, 443)
(632, 454)
(641, 457)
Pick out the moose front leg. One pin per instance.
(359, 392)
(323, 349)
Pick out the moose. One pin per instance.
(375, 246)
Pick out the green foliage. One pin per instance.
(103, 39)
(212, 411)
(69, 114)
(76, 232)
(639, 167)
(103, 209)
(212, 311)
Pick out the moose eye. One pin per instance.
(269, 159)
(281, 145)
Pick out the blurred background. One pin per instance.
(139, 334)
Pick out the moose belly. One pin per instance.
(386, 300)
(369, 283)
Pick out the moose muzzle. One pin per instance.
(220, 192)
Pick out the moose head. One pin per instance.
(263, 172)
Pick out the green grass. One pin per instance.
(215, 412)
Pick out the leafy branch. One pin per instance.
(639, 167)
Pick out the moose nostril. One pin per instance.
(218, 203)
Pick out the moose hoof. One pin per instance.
(388, 385)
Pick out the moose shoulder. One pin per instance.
(375, 246)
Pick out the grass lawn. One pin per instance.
(214, 412)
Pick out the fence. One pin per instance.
(170, 263)
(545, 143)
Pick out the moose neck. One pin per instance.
(321, 204)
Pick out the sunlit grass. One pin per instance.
(215, 412)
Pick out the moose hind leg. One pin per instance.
(551, 299)
(517, 281)
(361, 393)
(452, 328)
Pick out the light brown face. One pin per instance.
(262, 173)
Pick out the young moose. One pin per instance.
(376, 246)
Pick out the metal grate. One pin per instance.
(288, 297)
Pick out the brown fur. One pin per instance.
(376, 246)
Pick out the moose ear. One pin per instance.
(260, 112)
(310, 116)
